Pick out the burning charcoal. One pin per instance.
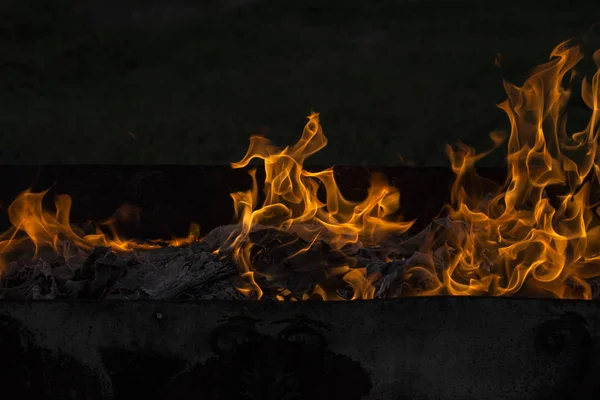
(52, 258)
(106, 271)
(218, 237)
(420, 259)
(273, 247)
(371, 253)
(286, 260)
(360, 262)
(62, 273)
(77, 289)
(198, 276)
(41, 267)
(160, 257)
(37, 292)
(87, 267)
(12, 275)
(110, 259)
(386, 274)
(222, 236)
(393, 280)
(379, 268)
(352, 249)
(435, 235)
(16, 281)
(595, 285)
(14, 293)
(42, 284)
(130, 281)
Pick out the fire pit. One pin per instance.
(79, 297)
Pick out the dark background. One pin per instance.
(157, 82)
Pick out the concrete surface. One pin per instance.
(420, 348)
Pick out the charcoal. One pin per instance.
(107, 270)
(87, 267)
(218, 237)
(130, 281)
(385, 274)
(595, 284)
(285, 263)
(42, 282)
(291, 260)
(288, 260)
(371, 253)
(201, 276)
(53, 258)
(12, 276)
(15, 292)
(77, 289)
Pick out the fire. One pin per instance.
(537, 234)
(291, 201)
(521, 240)
(32, 223)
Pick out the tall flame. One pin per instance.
(291, 200)
(521, 240)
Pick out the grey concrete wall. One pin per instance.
(428, 348)
(192, 83)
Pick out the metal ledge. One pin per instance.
(419, 348)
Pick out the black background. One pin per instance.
(181, 82)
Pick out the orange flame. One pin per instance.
(291, 200)
(31, 223)
(539, 233)
(520, 240)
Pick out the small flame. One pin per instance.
(32, 223)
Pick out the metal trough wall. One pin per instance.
(419, 348)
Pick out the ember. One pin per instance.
(536, 235)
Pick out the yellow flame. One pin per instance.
(30, 222)
(519, 240)
(291, 199)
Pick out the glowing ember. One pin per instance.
(517, 240)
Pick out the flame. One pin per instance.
(32, 223)
(537, 234)
(520, 240)
(291, 200)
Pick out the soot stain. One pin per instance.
(295, 364)
(36, 373)
(566, 338)
(135, 373)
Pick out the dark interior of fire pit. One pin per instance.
(170, 197)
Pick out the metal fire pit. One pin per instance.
(418, 348)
